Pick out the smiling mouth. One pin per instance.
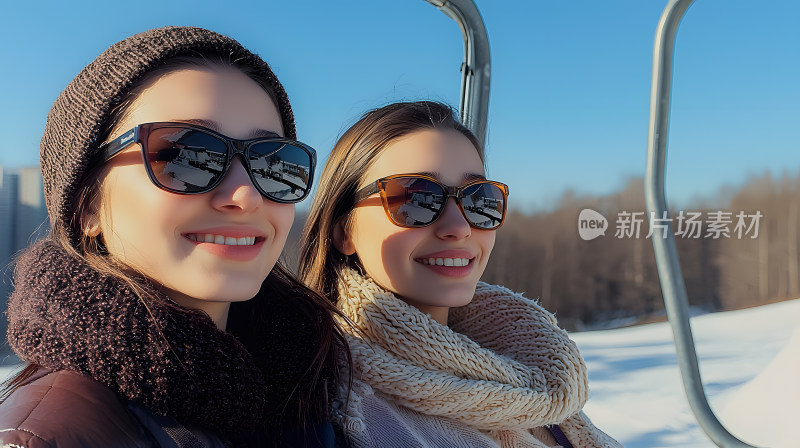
(445, 261)
(224, 240)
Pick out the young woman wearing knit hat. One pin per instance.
(399, 233)
(155, 313)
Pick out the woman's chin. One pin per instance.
(223, 293)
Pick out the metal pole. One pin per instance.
(669, 269)
(476, 69)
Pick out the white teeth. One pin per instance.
(222, 239)
(445, 261)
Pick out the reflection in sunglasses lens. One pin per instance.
(417, 202)
(483, 205)
(281, 170)
(185, 160)
(413, 201)
(188, 160)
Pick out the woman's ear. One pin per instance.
(341, 238)
(91, 224)
(90, 215)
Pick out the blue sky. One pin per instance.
(570, 79)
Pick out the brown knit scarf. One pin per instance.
(65, 315)
(503, 367)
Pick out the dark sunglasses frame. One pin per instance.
(379, 186)
(141, 133)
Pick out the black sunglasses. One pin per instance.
(189, 159)
(418, 200)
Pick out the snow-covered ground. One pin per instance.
(749, 361)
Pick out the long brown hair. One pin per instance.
(307, 401)
(351, 157)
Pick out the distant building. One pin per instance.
(23, 219)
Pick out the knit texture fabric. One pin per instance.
(65, 315)
(71, 134)
(501, 369)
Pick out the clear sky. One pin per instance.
(570, 79)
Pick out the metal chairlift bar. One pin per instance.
(669, 269)
(476, 69)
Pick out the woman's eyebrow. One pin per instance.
(256, 133)
(467, 176)
(211, 124)
(474, 176)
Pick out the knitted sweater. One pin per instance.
(496, 377)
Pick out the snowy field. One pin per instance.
(749, 361)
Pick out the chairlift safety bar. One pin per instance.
(476, 69)
(669, 269)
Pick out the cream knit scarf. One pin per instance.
(503, 364)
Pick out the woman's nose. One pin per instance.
(236, 191)
(452, 224)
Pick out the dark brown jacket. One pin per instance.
(66, 409)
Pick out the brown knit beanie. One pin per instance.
(70, 139)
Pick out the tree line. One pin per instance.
(742, 251)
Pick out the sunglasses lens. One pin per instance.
(185, 160)
(484, 205)
(283, 171)
(413, 201)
